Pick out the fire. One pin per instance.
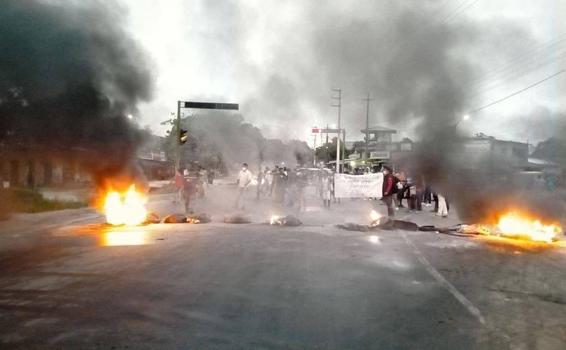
(275, 219)
(374, 216)
(516, 225)
(125, 208)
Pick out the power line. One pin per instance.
(521, 65)
(517, 92)
(499, 81)
(530, 63)
(526, 56)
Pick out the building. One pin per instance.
(382, 147)
(483, 150)
(29, 167)
(153, 160)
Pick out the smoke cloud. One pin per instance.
(69, 76)
(420, 65)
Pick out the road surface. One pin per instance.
(68, 282)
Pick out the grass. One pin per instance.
(20, 200)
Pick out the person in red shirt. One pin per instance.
(388, 190)
(179, 182)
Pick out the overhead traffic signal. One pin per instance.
(183, 136)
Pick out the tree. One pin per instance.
(219, 140)
(327, 152)
(553, 149)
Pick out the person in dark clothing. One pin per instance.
(388, 190)
(427, 196)
(400, 188)
(419, 189)
(210, 176)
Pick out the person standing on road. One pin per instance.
(442, 206)
(274, 179)
(210, 176)
(189, 190)
(388, 190)
(244, 180)
(179, 182)
(326, 184)
(401, 188)
(268, 178)
(260, 181)
(301, 183)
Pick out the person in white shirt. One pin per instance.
(244, 180)
(442, 206)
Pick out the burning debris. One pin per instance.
(289, 220)
(381, 222)
(201, 218)
(191, 219)
(174, 219)
(517, 226)
(152, 218)
(127, 208)
(512, 224)
(376, 218)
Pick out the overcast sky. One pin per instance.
(280, 59)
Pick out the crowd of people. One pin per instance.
(416, 192)
(286, 187)
(190, 185)
(283, 185)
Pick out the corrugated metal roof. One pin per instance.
(375, 128)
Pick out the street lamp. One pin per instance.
(464, 118)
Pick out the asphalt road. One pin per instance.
(253, 286)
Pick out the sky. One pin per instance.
(280, 60)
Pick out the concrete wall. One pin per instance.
(23, 169)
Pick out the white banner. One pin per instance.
(358, 186)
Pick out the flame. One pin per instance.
(517, 225)
(125, 208)
(374, 215)
(275, 219)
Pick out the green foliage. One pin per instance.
(20, 200)
(327, 152)
(552, 149)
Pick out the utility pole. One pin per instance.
(339, 106)
(177, 137)
(367, 99)
(314, 147)
(344, 139)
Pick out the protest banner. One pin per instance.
(358, 186)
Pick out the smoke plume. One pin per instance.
(421, 66)
(69, 76)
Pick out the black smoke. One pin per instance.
(69, 76)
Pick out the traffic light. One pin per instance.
(183, 136)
